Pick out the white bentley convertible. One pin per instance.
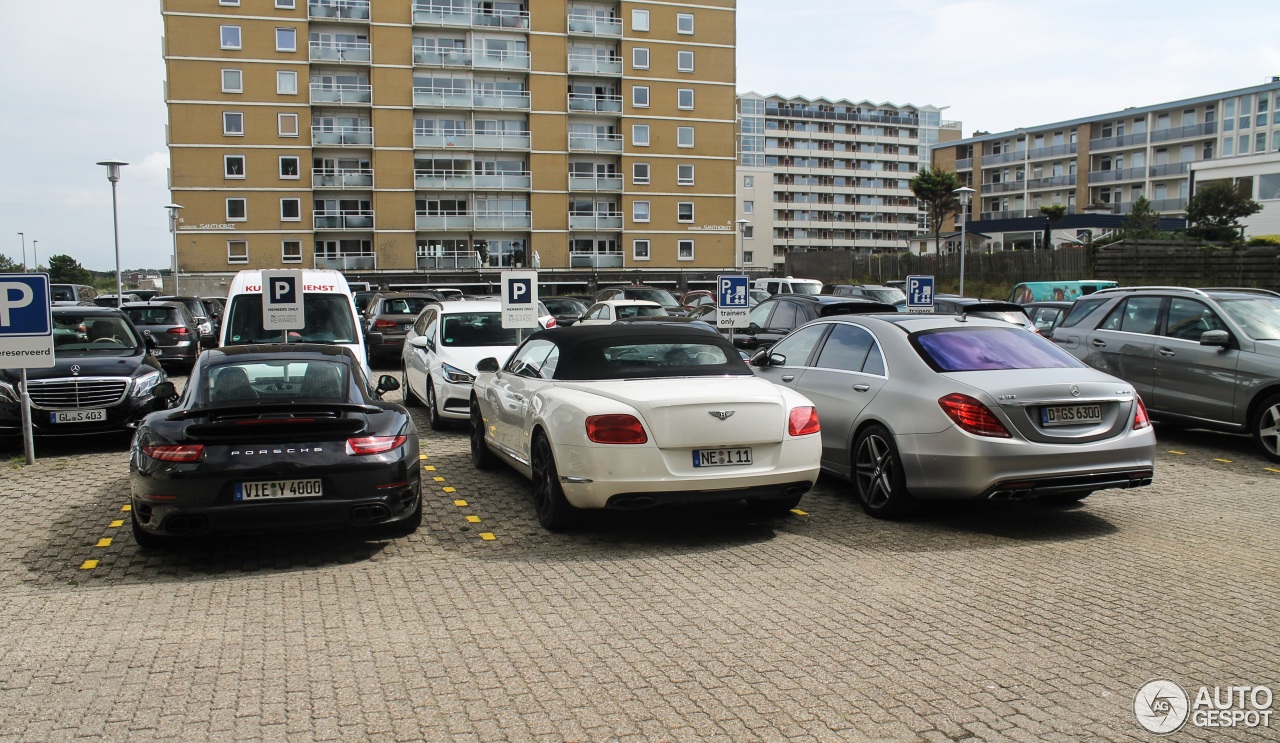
(625, 417)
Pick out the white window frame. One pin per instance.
(748, 232)
(238, 258)
(284, 251)
(297, 127)
(681, 180)
(636, 53)
(639, 135)
(297, 201)
(636, 211)
(680, 56)
(640, 96)
(748, 181)
(680, 20)
(228, 2)
(282, 75)
(680, 93)
(239, 77)
(748, 207)
(636, 178)
(297, 170)
(635, 250)
(680, 131)
(286, 4)
(226, 166)
(237, 116)
(639, 20)
(680, 205)
(290, 30)
(244, 203)
(692, 250)
(222, 38)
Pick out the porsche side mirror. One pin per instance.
(487, 365)
(387, 383)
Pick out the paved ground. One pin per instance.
(1018, 623)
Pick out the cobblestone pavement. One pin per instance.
(1020, 622)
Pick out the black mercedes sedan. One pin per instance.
(273, 436)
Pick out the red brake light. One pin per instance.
(615, 429)
(382, 324)
(1140, 418)
(178, 331)
(803, 421)
(175, 453)
(973, 416)
(373, 444)
(551, 322)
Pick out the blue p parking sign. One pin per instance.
(919, 294)
(26, 322)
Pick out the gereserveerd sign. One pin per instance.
(26, 322)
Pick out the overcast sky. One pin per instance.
(85, 83)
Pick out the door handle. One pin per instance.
(1098, 343)
(788, 377)
(1167, 352)
(861, 387)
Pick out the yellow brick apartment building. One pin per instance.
(394, 135)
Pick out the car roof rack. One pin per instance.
(1121, 289)
(1244, 289)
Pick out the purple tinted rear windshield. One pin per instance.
(984, 349)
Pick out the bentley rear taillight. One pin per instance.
(175, 453)
(373, 444)
(615, 429)
(973, 416)
(803, 421)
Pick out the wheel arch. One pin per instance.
(1255, 404)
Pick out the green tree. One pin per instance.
(1216, 208)
(1054, 215)
(63, 269)
(936, 188)
(7, 265)
(1143, 223)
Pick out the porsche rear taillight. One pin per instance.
(1140, 418)
(373, 444)
(973, 416)
(615, 429)
(803, 421)
(175, 452)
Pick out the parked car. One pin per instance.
(692, 300)
(361, 299)
(174, 330)
(273, 436)
(65, 295)
(788, 285)
(605, 312)
(100, 382)
(1202, 358)
(780, 314)
(214, 307)
(196, 306)
(926, 407)
(1049, 291)
(388, 317)
(886, 294)
(145, 294)
(110, 300)
(634, 416)
(566, 310)
(640, 291)
(951, 304)
(1045, 316)
(438, 363)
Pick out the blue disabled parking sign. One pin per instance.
(26, 322)
(919, 294)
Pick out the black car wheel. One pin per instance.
(878, 476)
(410, 400)
(1266, 428)
(145, 540)
(553, 510)
(433, 413)
(481, 457)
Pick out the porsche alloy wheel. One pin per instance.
(878, 476)
(549, 503)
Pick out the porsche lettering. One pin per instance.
(302, 450)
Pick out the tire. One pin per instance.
(1266, 428)
(774, 506)
(482, 458)
(549, 503)
(878, 478)
(433, 413)
(146, 541)
(410, 400)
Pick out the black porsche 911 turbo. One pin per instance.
(268, 437)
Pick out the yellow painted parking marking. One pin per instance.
(1271, 469)
(473, 519)
(1224, 461)
(126, 507)
(487, 536)
(88, 564)
(430, 468)
(422, 457)
(449, 490)
(438, 479)
(117, 523)
(1183, 453)
(798, 512)
(460, 503)
(104, 542)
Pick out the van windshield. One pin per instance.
(802, 288)
(327, 316)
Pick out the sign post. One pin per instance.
(732, 306)
(282, 302)
(520, 300)
(919, 294)
(26, 337)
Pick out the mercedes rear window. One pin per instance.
(988, 349)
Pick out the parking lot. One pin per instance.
(1016, 622)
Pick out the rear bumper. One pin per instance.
(122, 417)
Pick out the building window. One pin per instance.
(748, 207)
(287, 5)
(233, 166)
(639, 211)
(1244, 144)
(640, 250)
(640, 58)
(684, 250)
(228, 2)
(640, 96)
(684, 61)
(233, 124)
(236, 210)
(684, 211)
(748, 256)
(286, 82)
(237, 251)
(684, 99)
(748, 181)
(1260, 142)
(288, 124)
(286, 39)
(290, 210)
(289, 167)
(684, 174)
(684, 136)
(640, 135)
(639, 20)
(748, 231)
(290, 250)
(640, 174)
(684, 23)
(232, 81)
(230, 37)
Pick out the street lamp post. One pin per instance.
(742, 233)
(24, 251)
(173, 229)
(35, 255)
(113, 175)
(964, 193)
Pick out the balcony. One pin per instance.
(355, 219)
(583, 24)
(508, 181)
(348, 93)
(503, 220)
(605, 104)
(511, 19)
(437, 57)
(442, 140)
(595, 142)
(1124, 140)
(427, 14)
(341, 51)
(506, 100)
(443, 98)
(1013, 214)
(329, 178)
(1121, 174)
(1056, 150)
(443, 179)
(364, 262)
(1169, 205)
(595, 221)
(502, 140)
(964, 163)
(590, 64)
(1052, 181)
(449, 259)
(345, 136)
(595, 260)
(584, 182)
(1206, 129)
(443, 221)
(1170, 169)
(494, 59)
(338, 10)
(1004, 157)
(1003, 187)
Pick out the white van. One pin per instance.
(789, 285)
(330, 314)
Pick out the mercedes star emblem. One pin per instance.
(1075, 391)
(75, 369)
